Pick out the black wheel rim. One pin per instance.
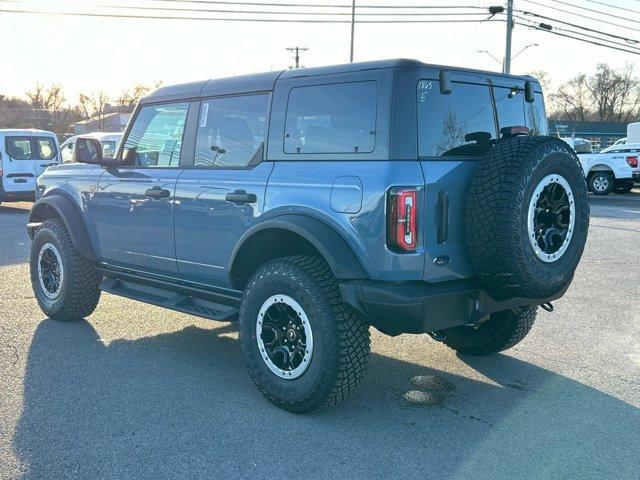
(50, 270)
(551, 218)
(284, 336)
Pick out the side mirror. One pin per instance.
(88, 150)
(529, 94)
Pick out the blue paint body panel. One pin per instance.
(193, 233)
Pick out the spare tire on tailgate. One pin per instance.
(527, 217)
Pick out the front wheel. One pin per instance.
(304, 348)
(601, 183)
(501, 331)
(65, 284)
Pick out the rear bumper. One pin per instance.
(421, 307)
(17, 196)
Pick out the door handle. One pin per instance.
(157, 192)
(241, 197)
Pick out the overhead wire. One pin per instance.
(581, 15)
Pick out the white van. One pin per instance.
(24, 155)
(109, 141)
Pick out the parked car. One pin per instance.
(109, 142)
(615, 170)
(617, 144)
(579, 145)
(24, 155)
(311, 204)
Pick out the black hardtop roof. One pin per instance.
(265, 81)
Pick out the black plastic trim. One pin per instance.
(420, 307)
(72, 217)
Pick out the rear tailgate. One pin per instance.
(446, 186)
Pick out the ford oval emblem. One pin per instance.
(441, 260)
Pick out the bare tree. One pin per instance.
(95, 106)
(614, 94)
(572, 99)
(45, 102)
(128, 99)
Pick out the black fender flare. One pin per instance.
(336, 251)
(72, 218)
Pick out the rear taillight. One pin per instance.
(402, 224)
(632, 161)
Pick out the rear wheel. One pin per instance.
(65, 284)
(304, 348)
(601, 183)
(501, 331)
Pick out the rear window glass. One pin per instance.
(537, 117)
(510, 107)
(444, 121)
(46, 148)
(336, 118)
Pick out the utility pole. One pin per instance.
(297, 51)
(353, 27)
(507, 54)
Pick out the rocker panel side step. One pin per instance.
(161, 297)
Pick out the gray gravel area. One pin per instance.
(139, 392)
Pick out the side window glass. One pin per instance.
(231, 131)
(67, 152)
(155, 140)
(46, 148)
(19, 148)
(336, 118)
(509, 106)
(537, 117)
(458, 124)
(109, 148)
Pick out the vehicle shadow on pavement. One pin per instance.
(181, 405)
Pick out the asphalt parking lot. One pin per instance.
(138, 392)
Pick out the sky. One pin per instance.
(91, 54)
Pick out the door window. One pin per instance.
(155, 140)
(67, 152)
(231, 131)
(46, 148)
(19, 148)
(456, 124)
(336, 118)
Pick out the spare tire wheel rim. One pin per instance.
(50, 271)
(551, 218)
(284, 336)
(600, 183)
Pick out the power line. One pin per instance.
(600, 39)
(628, 40)
(319, 5)
(592, 10)
(536, 27)
(580, 15)
(282, 12)
(234, 19)
(614, 6)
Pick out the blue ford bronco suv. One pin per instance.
(311, 204)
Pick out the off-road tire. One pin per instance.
(340, 338)
(496, 217)
(79, 291)
(605, 176)
(503, 330)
